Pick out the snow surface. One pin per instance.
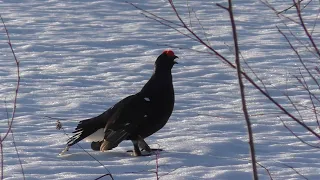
(78, 58)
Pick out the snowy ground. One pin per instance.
(80, 57)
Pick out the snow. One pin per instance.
(78, 58)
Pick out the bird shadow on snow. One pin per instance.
(101, 156)
(170, 162)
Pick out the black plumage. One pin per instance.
(134, 117)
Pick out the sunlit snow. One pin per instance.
(78, 58)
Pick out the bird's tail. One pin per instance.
(84, 129)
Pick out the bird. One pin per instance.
(135, 117)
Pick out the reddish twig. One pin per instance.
(299, 57)
(245, 75)
(316, 20)
(18, 83)
(297, 5)
(287, 8)
(280, 16)
(15, 97)
(304, 142)
(241, 87)
(266, 170)
(14, 144)
(294, 105)
(297, 172)
(305, 85)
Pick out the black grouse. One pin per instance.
(134, 117)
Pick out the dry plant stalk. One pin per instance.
(3, 138)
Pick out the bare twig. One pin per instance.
(297, 172)
(280, 16)
(294, 106)
(314, 110)
(304, 142)
(266, 170)
(297, 6)
(242, 91)
(299, 57)
(14, 144)
(18, 82)
(2, 138)
(287, 8)
(245, 75)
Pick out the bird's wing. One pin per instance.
(126, 119)
(88, 126)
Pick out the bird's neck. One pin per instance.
(159, 80)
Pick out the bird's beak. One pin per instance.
(175, 62)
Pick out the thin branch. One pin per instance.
(285, 10)
(198, 38)
(221, 6)
(294, 105)
(297, 172)
(189, 49)
(316, 20)
(281, 16)
(2, 138)
(242, 92)
(18, 83)
(168, 25)
(200, 24)
(171, 171)
(297, 5)
(14, 144)
(266, 170)
(303, 141)
(251, 81)
(299, 57)
(152, 14)
(311, 99)
(254, 73)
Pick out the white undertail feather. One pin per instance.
(65, 150)
(96, 136)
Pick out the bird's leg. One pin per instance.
(136, 150)
(144, 146)
(138, 144)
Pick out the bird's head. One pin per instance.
(165, 61)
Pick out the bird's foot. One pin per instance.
(152, 150)
(143, 152)
(145, 148)
(96, 145)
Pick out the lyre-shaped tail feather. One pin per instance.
(84, 129)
